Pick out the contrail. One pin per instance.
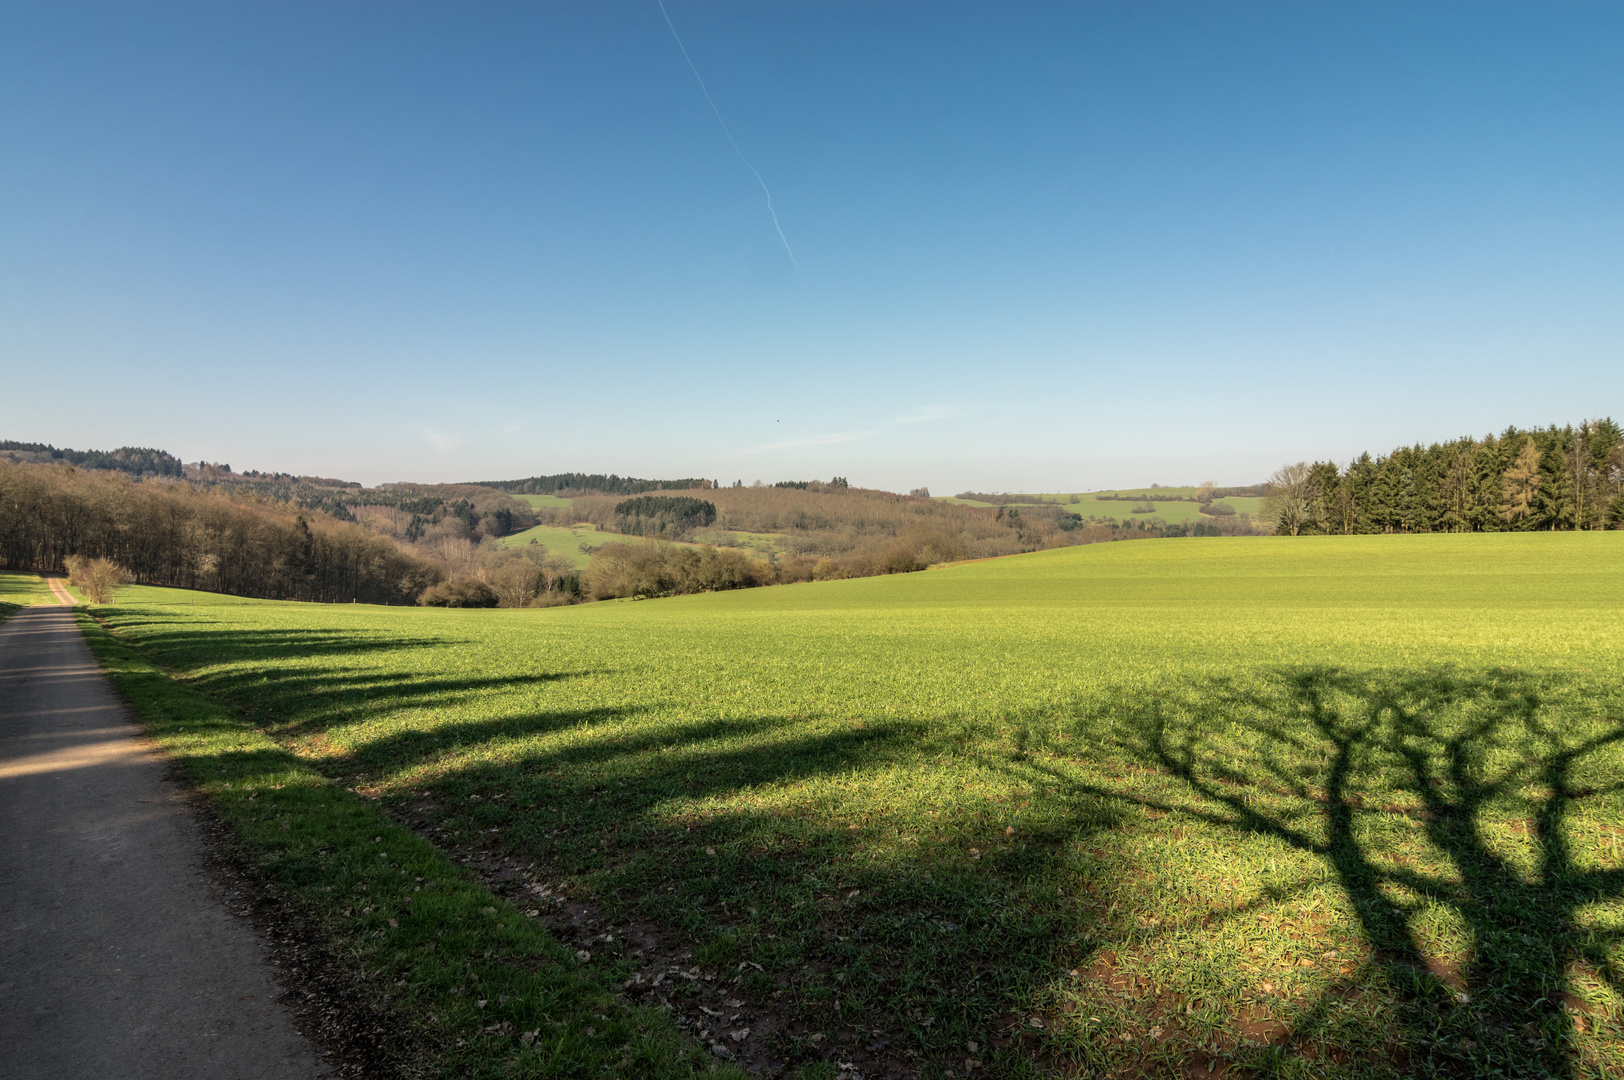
(706, 91)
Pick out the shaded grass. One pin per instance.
(18, 589)
(478, 989)
(1327, 807)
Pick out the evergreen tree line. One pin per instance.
(1553, 478)
(669, 516)
(165, 532)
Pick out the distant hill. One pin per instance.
(135, 460)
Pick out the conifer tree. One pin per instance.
(1553, 502)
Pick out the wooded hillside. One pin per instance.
(166, 532)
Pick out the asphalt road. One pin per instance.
(117, 962)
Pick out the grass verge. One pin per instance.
(18, 589)
(478, 988)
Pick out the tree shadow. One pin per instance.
(1465, 755)
(674, 825)
(1307, 756)
(275, 677)
(191, 646)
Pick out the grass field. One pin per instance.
(1323, 807)
(563, 541)
(566, 542)
(758, 545)
(19, 590)
(1174, 512)
(551, 502)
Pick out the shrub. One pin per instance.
(96, 578)
(464, 592)
(654, 569)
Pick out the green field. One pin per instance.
(550, 502)
(1318, 807)
(567, 541)
(19, 590)
(759, 545)
(1172, 511)
(561, 540)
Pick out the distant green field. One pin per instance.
(1089, 504)
(19, 589)
(1174, 513)
(566, 541)
(1339, 806)
(562, 540)
(756, 544)
(551, 502)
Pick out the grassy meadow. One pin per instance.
(1172, 510)
(1334, 806)
(566, 541)
(563, 541)
(548, 502)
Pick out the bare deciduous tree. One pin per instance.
(1292, 503)
(96, 578)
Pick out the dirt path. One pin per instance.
(60, 591)
(116, 959)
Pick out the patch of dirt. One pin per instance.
(1257, 1026)
(763, 1033)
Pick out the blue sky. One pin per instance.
(1035, 247)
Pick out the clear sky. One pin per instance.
(1034, 247)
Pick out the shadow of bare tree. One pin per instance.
(1495, 781)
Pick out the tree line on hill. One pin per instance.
(163, 531)
(431, 534)
(574, 483)
(135, 460)
(1552, 478)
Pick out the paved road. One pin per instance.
(116, 961)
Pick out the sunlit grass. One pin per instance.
(19, 589)
(563, 541)
(1340, 806)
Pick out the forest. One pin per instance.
(272, 535)
(1538, 479)
(165, 532)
